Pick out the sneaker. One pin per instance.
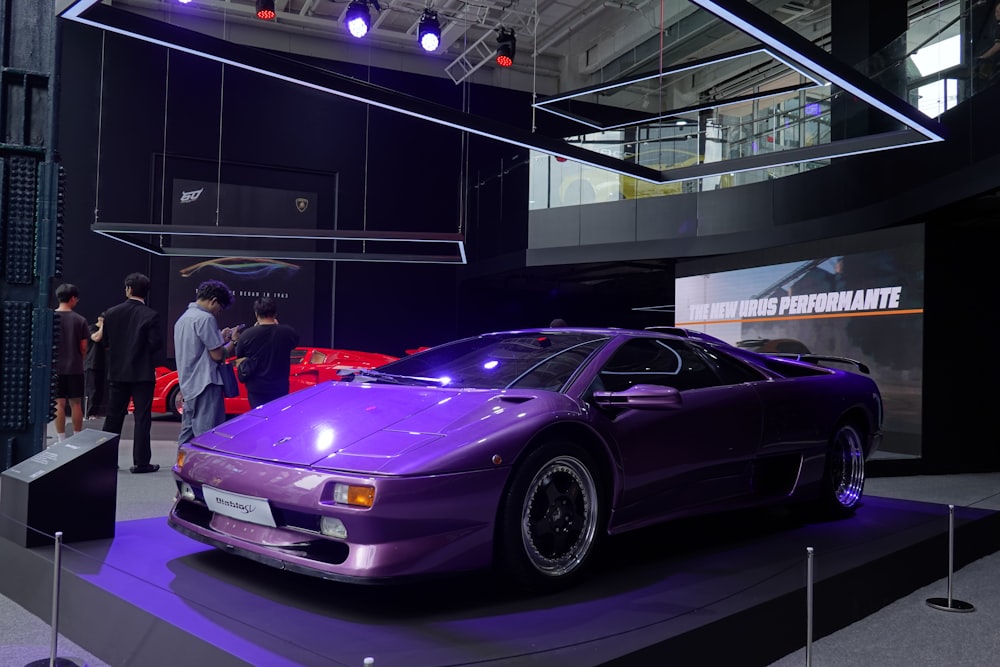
(146, 468)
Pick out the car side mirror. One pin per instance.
(640, 397)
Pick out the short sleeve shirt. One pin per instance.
(270, 347)
(195, 333)
(73, 328)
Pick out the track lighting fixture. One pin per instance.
(506, 45)
(265, 10)
(429, 31)
(358, 18)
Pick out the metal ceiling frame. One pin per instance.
(777, 37)
(150, 237)
(550, 102)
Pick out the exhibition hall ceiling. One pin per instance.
(604, 65)
(575, 42)
(561, 45)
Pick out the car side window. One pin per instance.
(663, 362)
(730, 370)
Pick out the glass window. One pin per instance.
(553, 372)
(663, 362)
(730, 370)
(496, 361)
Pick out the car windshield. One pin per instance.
(524, 360)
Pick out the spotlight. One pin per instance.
(506, 45)
(265, 10)
(358, 18)
(429, 31)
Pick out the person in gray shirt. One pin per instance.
(199, 346)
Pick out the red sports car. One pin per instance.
(310, 366)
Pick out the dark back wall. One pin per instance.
(126, 103)
(396, 173)
(959, 432)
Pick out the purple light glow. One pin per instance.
(813, 109)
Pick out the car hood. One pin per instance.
(370, 428)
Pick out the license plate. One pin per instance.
(238, 506)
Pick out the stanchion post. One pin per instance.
(809, 605)
(54, 660)
(950, 603)
(56, 576)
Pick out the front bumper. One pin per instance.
(417, 525)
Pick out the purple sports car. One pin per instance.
(523, 450)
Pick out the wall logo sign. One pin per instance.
(191, 196)
(301, 204)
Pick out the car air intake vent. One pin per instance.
(322, 550)
(515, 399)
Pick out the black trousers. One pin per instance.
(258, 394)
(141, 395)
(95, 389)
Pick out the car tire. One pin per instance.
(551, 519)
(175, 404)
(844, 476)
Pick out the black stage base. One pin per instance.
(728, 589)
(69, 487)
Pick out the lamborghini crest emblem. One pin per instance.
(301, 204)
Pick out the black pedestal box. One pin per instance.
(71, 487)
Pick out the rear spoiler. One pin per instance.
(818, 358)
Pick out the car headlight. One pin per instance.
(333, 527)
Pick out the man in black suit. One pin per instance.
(132, 337)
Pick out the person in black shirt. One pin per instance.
(264, 354)
(987, 69)
(70, 350)
(132, 336)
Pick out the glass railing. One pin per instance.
(731, 132)
(933, 66)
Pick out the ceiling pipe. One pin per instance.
(582, 17)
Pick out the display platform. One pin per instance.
(727, 589)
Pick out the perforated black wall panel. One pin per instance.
(15, 371)
(21, 195)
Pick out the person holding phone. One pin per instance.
(264, 354)
(199, 346)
